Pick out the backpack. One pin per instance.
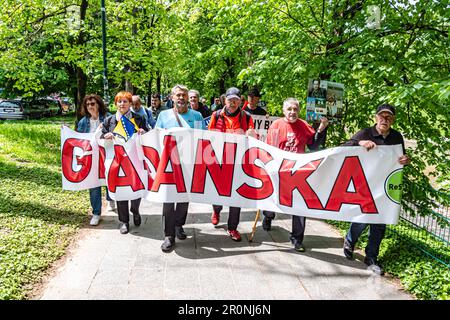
(244, 120)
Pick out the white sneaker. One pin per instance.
(95, 220)
(112, 205)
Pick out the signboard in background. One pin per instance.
(324, 98)
(262, 124)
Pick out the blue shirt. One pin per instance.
(191, 119)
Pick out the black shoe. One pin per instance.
(124, 228)
(374, 265)
(168, 244)
(267, 223)
(179, 231)
(348, 250)
(137, 219)
(298, 246)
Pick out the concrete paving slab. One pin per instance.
(105, 264)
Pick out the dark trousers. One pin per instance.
(298, 225)
(122, 209)
(233, 216)
(269, 214)
(376, 234)
(174, 216)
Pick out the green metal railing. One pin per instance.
(430, 233)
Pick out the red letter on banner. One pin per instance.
(170, 153)
(290, 181)
(351, 170)
(67, 157)
(221, 175)
(152, 155)
(250, 169)
(101, 162)
(131, 177)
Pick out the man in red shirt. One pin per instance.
(293, 134)
(231, 119)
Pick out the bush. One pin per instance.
(400, 255)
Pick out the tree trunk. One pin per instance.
(158, 81)
(81, 90)
(149, 91)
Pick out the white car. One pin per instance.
(19, 109)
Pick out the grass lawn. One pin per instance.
(37, 218)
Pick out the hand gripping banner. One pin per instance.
(189, 165)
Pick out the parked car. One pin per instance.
(20, 109)
(51, 107)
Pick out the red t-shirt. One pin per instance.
(292, 137)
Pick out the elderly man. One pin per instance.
(194, 103)
(293, 134)
(380, 134)
(231, 119)
(179, 116)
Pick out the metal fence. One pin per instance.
(431, 233)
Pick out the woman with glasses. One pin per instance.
(124, 101)
(94, 111)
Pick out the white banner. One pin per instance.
(188, 165)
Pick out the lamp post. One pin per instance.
(105, 67)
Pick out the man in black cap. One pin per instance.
(252, 106)
(380, 134)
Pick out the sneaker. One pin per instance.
(215, 218)
(348, 249)
(298, 246)
(267, 223)
(124, 228)
(179, 231)
(112, 205)
(235, 235)
(95, 220)
(168, 244)
(374, 266)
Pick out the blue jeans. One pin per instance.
(376, 234)
(95, 195)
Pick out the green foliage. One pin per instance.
(37, 219)
(400, 255)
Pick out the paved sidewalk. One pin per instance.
(105, 264)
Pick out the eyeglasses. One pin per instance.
(91, 103)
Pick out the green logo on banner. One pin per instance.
(393, 186)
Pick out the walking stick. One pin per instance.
(254, 226)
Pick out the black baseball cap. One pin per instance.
(386, 108)
(254, 93)
(233, 93)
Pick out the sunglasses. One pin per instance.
(91, 103)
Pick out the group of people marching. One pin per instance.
(289, 133)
